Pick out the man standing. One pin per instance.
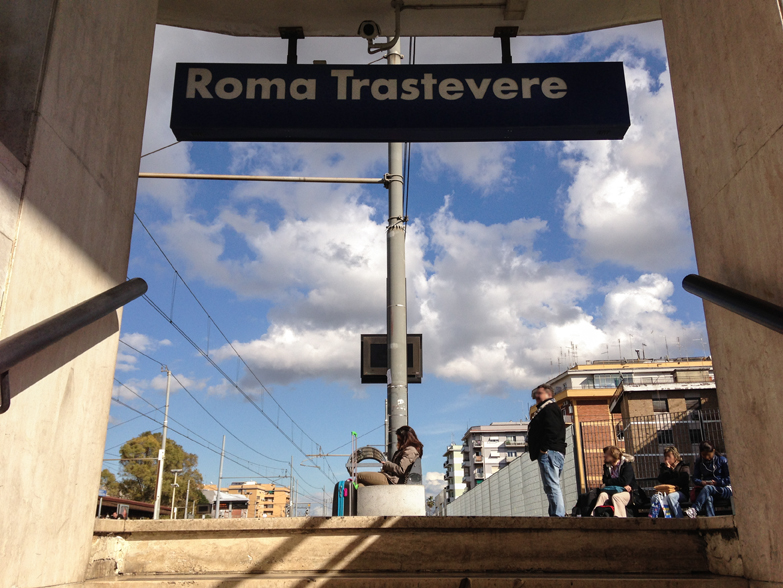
(546, 444)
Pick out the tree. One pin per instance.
(138, 478)
(109, 483)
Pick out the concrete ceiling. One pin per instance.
(341, 18)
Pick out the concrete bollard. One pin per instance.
(394, 500)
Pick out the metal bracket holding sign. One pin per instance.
(374, 362)
(418, 103)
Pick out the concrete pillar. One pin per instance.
(726, 59)
(71, 140)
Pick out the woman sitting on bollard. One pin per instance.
(396, 471)
(619, 481)
(673, 483)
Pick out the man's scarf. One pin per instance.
(541, 407)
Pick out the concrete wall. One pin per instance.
(516, 490)
(726, 59)
(414, 551)
(68, 174)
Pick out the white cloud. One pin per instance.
(484, 166)
(493, 311)
(127, 359)
(434, 483)
(627, 203)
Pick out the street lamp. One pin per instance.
(174, 492)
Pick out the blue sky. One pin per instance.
(515, 252)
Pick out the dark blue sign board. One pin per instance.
(418, 103)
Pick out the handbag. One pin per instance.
(604, 511)
(612, 489)
(666, 488)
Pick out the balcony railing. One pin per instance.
(478, 459)
(479, 474)
(515, 443)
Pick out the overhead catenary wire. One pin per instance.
(330, 474)
(175, 431)
(205, 409)
(161, 149)
(133, 419)
(190, 430)
(358, 437)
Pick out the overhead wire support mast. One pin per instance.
(239, 178)
(396, 300)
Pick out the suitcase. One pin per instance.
(344, 499)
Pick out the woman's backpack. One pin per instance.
(604, 511)
(585, 504)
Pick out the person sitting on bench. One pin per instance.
(619, 481)
(675, 474)
(711, 479)
(396, 471)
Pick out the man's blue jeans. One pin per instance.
(706, 496)
(550, 464)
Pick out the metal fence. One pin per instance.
(646, 437)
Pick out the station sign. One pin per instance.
(416, 103)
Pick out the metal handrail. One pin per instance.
(758, 310)
(32, 340)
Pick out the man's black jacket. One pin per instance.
(546, 431)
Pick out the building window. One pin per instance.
(511, 454)
(660, 405)
(665, 437)
(693, 404)
(607, 380)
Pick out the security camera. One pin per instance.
(369, 29)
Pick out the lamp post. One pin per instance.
(174, 492)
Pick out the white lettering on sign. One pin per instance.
(481, 89)
(266, 88)
(505, 88)
(309, 89)
(236, 88)
(553, 88)
(528, 83)
(342, 76)
(410, 91)
(451, 89)
(198, 78)
(200, 81)
(390, 92)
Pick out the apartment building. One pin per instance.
(489, 448)
(599, 396)
(455, 485)
(263, 500)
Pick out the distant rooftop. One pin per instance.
(498, 427)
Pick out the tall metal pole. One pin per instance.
(396, 312)
(220, 479)
(291, 489)
(174, 487)
(162, 452)
(187, 497)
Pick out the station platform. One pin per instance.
(456, 552)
